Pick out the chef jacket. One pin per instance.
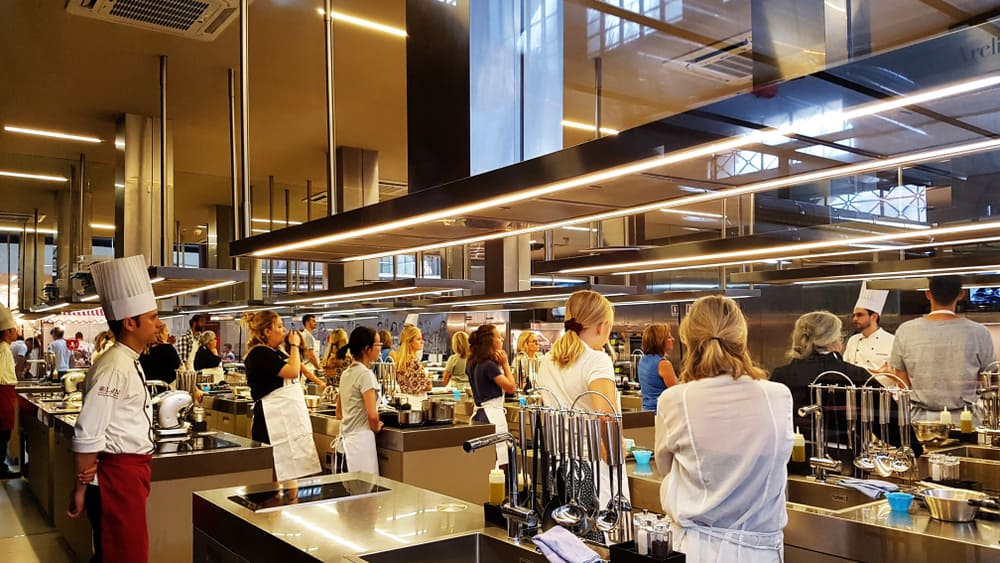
(7, 375)
(869, 352)
(117, 414)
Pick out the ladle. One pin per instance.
(883, 461)
(904, 458)
(864, 460)
(607, 519)
(569, 514)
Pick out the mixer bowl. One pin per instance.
(928, 431)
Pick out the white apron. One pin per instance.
(721, 545)
(495, 413)
(359, 449)
(290, 432)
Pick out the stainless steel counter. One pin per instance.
(227, 403)
(329, 530)
(430, 437)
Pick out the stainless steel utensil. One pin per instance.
(883, 461)
(569, 514)
(952, 505)
(864, 460)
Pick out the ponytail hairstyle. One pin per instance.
(584, 309)
(361, 338)
(818, 331)
(405, 354)
(481, 344)
(460, 344)
(715, 335)
(256, 322)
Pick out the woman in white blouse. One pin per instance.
(723, 438)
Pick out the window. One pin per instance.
(606, 32)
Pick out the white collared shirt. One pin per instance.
(869, 352)
(7, 374)
(117, 413)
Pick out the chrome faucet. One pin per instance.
(522, 522)
(819, 462)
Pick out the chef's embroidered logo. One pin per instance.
(103, 391)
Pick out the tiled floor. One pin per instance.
(25, 536)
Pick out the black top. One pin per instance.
(204, 359)
(160, 362)
(262, 366)
(797, 376)
(481, 379)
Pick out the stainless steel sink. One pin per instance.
(974, 452)
(825, 495)
(324, 412)
(472, 548)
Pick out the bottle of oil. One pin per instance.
(497, 488)
(798, 446)
(965, 421)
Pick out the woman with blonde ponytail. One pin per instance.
(410, 373)
(723, 439)
(577, 364)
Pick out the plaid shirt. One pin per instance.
(184, 346)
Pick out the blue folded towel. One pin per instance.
(873, 488)
(559, 545)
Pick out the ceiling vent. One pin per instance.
(196, 19)
(726, 61)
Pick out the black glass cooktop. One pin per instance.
(193, 444)
(273, 500)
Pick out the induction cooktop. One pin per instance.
(193, 444)
(290, 496)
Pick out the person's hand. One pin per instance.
(87, 475)
(76, 503)
(294, 338)
(502, 358)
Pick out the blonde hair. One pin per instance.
(715, 334)
(815, 331)
(460, 344)
(522, 339)
(587, 308)
(386, 337)
(336, 341)
(405, 353)
(256, 322)
(654, 339)
(207, 337)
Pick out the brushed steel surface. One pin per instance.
(428, 438)
(468, 548)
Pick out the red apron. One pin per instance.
(8, 407)
(124, 485)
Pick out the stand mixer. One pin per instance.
(169, 410)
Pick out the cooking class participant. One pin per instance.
(61, 350)
(411, 376)
(526, 360)
(8, 380)
(207, 356)
(357, 402)
(815, 348)
(388, 355)
(114, 431)
(722, 438)
(280, 416)
(159, 360)
(310, 342)
(576, 364)
(656, 373)
(454, 368)
(490, 377)
(870, 347)
(333, 365)
(941, 355)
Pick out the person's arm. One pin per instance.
(340, 409)
(294, 364)
(663, 450)
(448, 366)
(312, 376)
(504, 380)
(666, 371)
(86, 467)
(371, 409)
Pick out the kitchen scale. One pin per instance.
(292, 496)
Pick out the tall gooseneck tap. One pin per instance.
(521, 521)
(820, 461)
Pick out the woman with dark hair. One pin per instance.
(490, 377)
(656, 373)
(356, 403)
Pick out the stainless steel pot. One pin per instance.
(442, 411)
(952, 505)
(411, 417)
(312, 401)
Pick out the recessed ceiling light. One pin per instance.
(587, 127)
(26, 176)
(52, 134)
(103, 226)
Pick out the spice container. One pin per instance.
(497, 489)
(660, 541)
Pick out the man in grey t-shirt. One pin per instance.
(309, 341)
(941, 355)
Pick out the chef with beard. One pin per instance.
(870, 347)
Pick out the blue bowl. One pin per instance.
(642, 456)
(899, 502)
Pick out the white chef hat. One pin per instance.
(123, 284)
(871, 299)
(6, 319)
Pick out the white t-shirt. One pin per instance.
(869, 352)
(569, 382)
(7, 375)
(354, 382)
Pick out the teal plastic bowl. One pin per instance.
(899, 502)
(642, 456)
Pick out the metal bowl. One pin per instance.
(312, 401)
(928, 431)
(952, 505)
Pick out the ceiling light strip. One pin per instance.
(27, 176)
(361, 22)
(51, 134)
(198, 289)
(588, 127)
(647, 164)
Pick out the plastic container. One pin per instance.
(660, 541)
(642, 457)
(945, 417)
(456, 395)
(965, 421)
(497, 487)
(899, 502)
(798, 446)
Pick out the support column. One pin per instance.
(357, 186)
(138, 212)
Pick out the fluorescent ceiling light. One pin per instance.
(555, 279)
(26, 176)
(119, 185)
(156, 280)
(587, 127)
(197, 289)
(91, 297)
(584, 229)
(52, 134)
(708, 149)
(361, 22)
(334, 318)
(51, 307)
(7, 229)
(103, 226)
(276, 221)
(903, 274)
(260, 231)
(333, 299)
(411, 293)
(692, 213)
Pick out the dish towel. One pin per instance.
(559, 545)
(871, 487)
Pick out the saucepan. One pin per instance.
(410, 417)
(312, 401)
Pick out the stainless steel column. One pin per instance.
(244, 117)
(233, 167)
(331, 124)
(163, 161)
